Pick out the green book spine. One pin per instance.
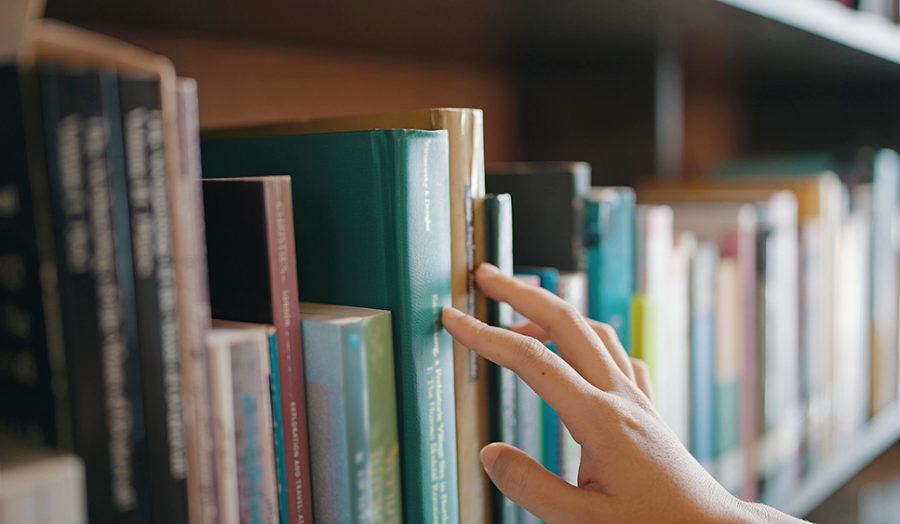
(372, 230)
(384, 444)
(501, 381)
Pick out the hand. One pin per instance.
(633, 468)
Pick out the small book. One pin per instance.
(350, 383)
(244, 444)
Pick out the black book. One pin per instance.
(86, 180)
(547, 215)
(32, 361)
(154, 293)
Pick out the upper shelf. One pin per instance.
(803, 37)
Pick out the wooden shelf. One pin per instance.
(879, 435)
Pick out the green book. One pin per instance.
(501, 381)
(350, 381)
(371, 221)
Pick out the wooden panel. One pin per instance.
(247, 83)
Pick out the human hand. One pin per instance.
(633, 467)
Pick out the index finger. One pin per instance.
(547, 374)
(576, 341)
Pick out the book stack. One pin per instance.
(262, 343)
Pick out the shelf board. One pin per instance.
(859, 30)
(878, 435)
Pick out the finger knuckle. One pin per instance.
(607, 332)
(531, 353)
(516, 479)
(567, 316)
(639, 365)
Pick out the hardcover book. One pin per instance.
(548, 213)
(371, 224)
(250, 231)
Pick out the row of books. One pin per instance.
(751, 298)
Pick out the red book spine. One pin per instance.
(286, 318)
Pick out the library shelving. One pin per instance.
(641, 88)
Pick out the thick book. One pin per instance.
(250, 231)
(466, 155)
(274, 394)
(548, 220)
(85, 174)
(609, 254)
(40, 485)
(145, 169)
(350, 382)
(501, 381)
(371, 226)
(245, 364)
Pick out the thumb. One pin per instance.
(529, 485)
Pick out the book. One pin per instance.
(674, 384)
(40, 485)
(371, 227)
(529, 431)
(466, 185)
(702, 361)
(548, 420)
(85, 169)
(145, 170)
(501, 381)
(572, 286)
(354, 445)
(653, 247)
(250, 231)
(248, 352)
(729, 464)
(609, 253)
(218, 345)
(548, 219)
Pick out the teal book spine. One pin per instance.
(550, 424)
(502, 389)
(609, 250)
(372, 229)
(384, 444)
(703, 370)
(277, 422)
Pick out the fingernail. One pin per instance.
(488, 268)
(489, 455)
(452, 313)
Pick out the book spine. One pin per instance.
(357, 416)
(257, 494)
(192, 297)
(702, 354)
(277, 428)
(328, 435)
(420, 192)
(384, 444)
(98, 345)
(221, 409)
(32, 363)
(286, 318)
(154, 296)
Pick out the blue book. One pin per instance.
(609, 250)
(549, 420)
(352, 413)
(703, 386)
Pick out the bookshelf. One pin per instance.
(627, 86)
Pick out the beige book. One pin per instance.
(465, 132)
